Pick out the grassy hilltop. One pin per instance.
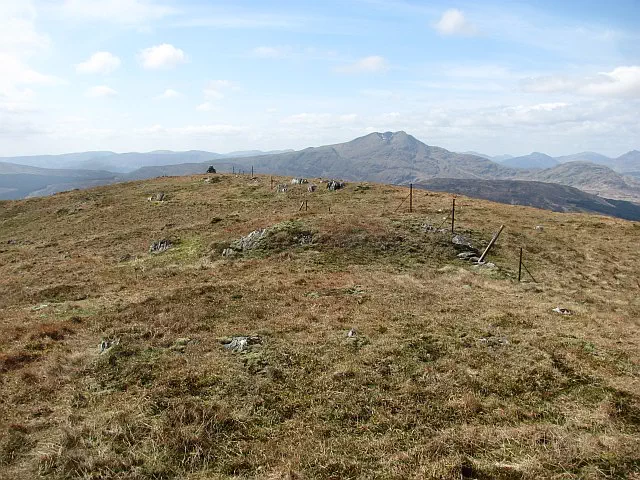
(453, 371)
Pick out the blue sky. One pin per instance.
(495, 77)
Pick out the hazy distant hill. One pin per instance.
(589, 177)
(592, 157)
(64, 161)
(626, 163)
(629, 162)
(19, 181)
(533, 160)
(125, 162)
(559, 198)
(494, 158)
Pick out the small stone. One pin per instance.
(241, 344)
(160, 246)
(562, 311)
(494, 341)
(463, 242)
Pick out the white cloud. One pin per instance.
(193, 130)
(99, 62)
(161, 56)
(206, 107)
(125, 12)
(320, 120)
(215, 89)
(371, 64)
(100, 91)
(17, 28)
(14, 72)
(271, 52)
(453, 22)
(620, 82)
(168, 94)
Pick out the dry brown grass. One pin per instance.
(455, 373)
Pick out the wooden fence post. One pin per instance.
(493, 240)
(520, 266)
(453, 214)
(410, 197)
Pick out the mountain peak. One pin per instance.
(389, 136)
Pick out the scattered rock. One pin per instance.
(428, 228)
(562, 311)
(304, 239)
(539, 227)
(127, 257)
(106, 345)
(467, 255)
(462, 241)
(160, 246)
(241, 344)
(299, 181)
(485, 265)
(40, 307)
(229, 252)
(494, 341)
(12, 242)
(282, 188)
(250, 241)
(157, 197)
(211, 169)
(312, 188)
(355, 290)
(352, 333)
(335, 185)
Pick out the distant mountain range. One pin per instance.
(628, 163)
(533, 160)
(125, 162)
(550, 196)
(394, 158)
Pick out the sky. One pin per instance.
(493, 77)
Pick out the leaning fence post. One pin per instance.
(493, 240)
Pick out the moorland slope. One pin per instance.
(112, 362)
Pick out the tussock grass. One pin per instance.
(454, 372)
